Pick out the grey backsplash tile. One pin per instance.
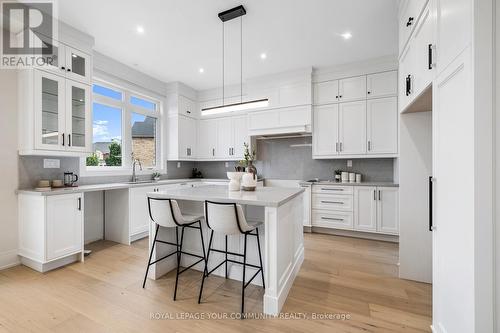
(276, 159)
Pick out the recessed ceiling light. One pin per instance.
(346, 35)
(201, 70)
(140, 29)
(263, 56)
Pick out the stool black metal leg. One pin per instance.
(150, 256)
(226, 257)
(260, 259)
(179, 254)
(203, 247)
(243, 280)
(205, 272)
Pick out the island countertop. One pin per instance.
(262, 196)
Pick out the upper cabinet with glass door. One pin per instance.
(69, 62)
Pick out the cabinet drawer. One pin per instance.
(332, 202)
(338, 220)
(332, 189)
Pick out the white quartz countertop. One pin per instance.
(262, 196)
(327, 182)
(116, 186)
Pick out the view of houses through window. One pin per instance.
(109, 109)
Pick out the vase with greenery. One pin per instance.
(155, 176)
(248, 158)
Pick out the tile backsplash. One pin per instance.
(277, 158)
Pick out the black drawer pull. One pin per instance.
(332, 202)
(331, 218)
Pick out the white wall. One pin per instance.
(415, 239)
(8, 168)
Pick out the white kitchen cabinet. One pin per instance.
(78, 117)
(424, 43)
(382, 126)
(325, 130)
(280, 121)
(352, 128)
(55, 114)
(225, 138)
(406, 73)
(69, 62)
(376, 209)
(186, 106)
(409, 12)
(388, 210)
(332, 219)
(454, 29)
(365, 208)
(222, 138)
(64, 225)
(383, 84)
(188, 137)
(50, 230)
(207, 138)
(78, 65)
(352, 88)
(240, 129)
(326, 92)
(182, 133)
(307, 197)
(139, 211)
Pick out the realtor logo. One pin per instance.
(27, 34)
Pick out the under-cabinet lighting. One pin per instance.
(261, 103)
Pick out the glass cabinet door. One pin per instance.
(77, 65)
(49, 111)
(78, 120)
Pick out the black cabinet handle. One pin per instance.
(337, 96)
(430, 56)
(69, 140)
(379, 196)
(189, 112)
(79, 203)
(430, 204)
(374, 195)
(69, 69)
(369, 92)
(408, 85)
(63, 68)
(63, 139)
(410, 21)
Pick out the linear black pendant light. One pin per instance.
(224, 17)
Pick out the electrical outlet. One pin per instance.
(49, 163)
(226, 164)
(178, 164)
(349, 163)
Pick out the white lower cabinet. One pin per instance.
(371, 209)
(376, 209)
(64, 224)
(139, 213)
(50, 229)
(365, 206)
(388, 210)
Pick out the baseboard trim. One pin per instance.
(9, 259)
(356, 234)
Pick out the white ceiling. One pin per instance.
(183, 35)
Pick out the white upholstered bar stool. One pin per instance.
(229, 219)
(165, 213)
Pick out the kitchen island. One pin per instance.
(280, 209)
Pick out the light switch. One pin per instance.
(349, 163)
(49, 163)
(178, 164)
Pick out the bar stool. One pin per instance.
(166, 213)
(229, 219)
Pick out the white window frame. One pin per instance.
(126, 108)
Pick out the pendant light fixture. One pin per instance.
(241, 106)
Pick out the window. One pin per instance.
(144, 139)
(115, 143)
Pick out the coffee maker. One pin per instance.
(70, 179)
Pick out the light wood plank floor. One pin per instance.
(340, 275)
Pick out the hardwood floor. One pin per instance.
(340, 275)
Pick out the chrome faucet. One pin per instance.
(135, 161)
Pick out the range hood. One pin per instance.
(286, 133)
